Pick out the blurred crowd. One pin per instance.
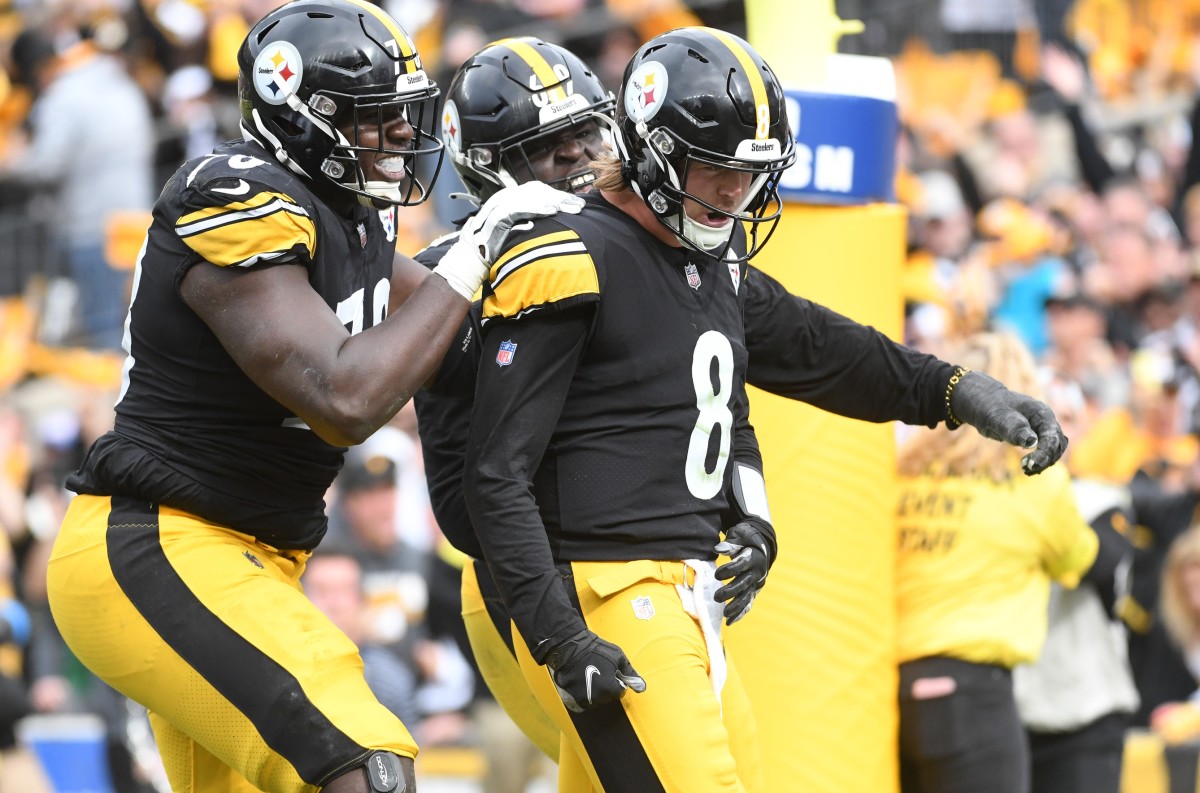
(1046, 159)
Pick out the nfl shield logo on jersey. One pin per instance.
(507, 350)
(693, 276)
(643, 608)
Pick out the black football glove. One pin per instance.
(588, 671)
(751, 548)
(1011, 417)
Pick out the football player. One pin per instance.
(260, 346)
(495, 135)
(518, 110)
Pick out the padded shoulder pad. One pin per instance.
(237, 215)
(549, 268)
(432, 253)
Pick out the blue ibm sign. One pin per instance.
(845, 149)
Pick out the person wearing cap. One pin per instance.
(363, 524)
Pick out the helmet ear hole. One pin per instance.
(288, 127)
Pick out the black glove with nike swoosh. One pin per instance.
(588, 671)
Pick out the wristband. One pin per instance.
(750, 492)
(952, 421)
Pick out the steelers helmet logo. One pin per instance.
(451, 126)
(646, 91)
(277, 72)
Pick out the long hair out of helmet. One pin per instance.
(703, 97)
(313, 68)
(506, 99)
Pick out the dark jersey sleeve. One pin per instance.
(455, 378)
(745, 442)
(1191, 169)
(1115, 550)
(804, 351)
(443, 423)
(517, 406)
(444, 419)
(1095, 170)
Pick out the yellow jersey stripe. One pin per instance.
(559, 249)
(254, 202)
(543, 282)
(541, 68)
(517, 250)
(402, 41)
(758, 88)
(246, 238)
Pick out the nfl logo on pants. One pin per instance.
(505, 355)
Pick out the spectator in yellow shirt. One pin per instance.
(979, 545)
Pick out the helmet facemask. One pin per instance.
(517, 155)
(693, 100)
(662, 174)
(414, 162)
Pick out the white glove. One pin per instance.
(467, 262)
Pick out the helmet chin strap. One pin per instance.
(384, 191)
(708, 238)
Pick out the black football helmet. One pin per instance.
(311, 68)
(506, 98)
(701, 96)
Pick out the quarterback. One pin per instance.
(603, 477)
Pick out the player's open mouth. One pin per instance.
(715, 219)
(391, 169)
(581, 181)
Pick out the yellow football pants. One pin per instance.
(488, 629)
(249, 686)
(677, 736)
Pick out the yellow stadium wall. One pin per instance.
(817, 653)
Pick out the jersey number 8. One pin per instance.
(713, 404)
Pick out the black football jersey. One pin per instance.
(192, 430)
(640, 457)
(444, 421)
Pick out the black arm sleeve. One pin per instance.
(1114, 549)
(443, 423)
(745, 442)
(1095, 170)
(745, 450)
(968, 185)
(455, 376)
(1165, 514)
(804, 351)
(1191, 171)
(516, 410)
